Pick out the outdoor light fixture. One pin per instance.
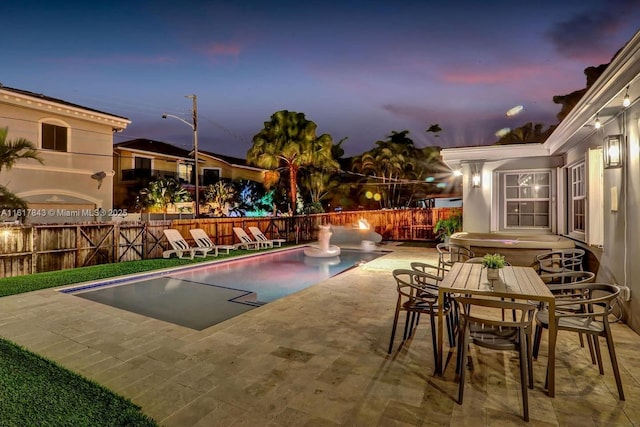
(597, 124)
(613, 154)
(475, 180)
(626, 101)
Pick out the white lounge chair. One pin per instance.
(180, 246)
(203, 241)
(259, 236)
(246, 242)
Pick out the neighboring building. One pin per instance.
(579, 183)
(75, 144)
(139, 161)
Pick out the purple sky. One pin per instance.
(359, 69)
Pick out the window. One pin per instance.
(54, 137)
(185, 172)
(210, 176)
(527, 200)
(577, 195)
(142, 168)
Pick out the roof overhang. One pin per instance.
(603, 99)
(18, 99)
(456, 157)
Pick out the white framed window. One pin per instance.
(185, 171)
(578, 199)
(527, 200)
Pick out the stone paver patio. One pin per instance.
(316, 358)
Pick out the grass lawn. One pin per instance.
(37, 392)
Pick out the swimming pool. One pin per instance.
(202, 296)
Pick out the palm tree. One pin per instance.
(11, 151)
(289, 142)
(223, 199)
(162, 193)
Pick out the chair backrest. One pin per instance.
(242, 235)
(596, 298)
(201, 238)
(566, 277)
(417, 285)
(257, 234)
(424, 267)
(176, 240)
(523, 312)
(560, 260)
(450, 252)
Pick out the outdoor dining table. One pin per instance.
(519, 283)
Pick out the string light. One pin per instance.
(598, 125)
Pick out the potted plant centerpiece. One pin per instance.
(493, 263)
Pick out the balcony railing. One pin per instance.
(147, 175)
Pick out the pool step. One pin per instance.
(250, 298)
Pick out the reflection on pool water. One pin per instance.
(202, 296)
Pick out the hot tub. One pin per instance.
(518, 249)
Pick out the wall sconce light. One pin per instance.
(597, 124)
(476, 180)
(626, 101)
(613, 154)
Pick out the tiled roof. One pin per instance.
(228, 159)
(152, 146)
(56, 100)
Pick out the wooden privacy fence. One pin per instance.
(27, 249)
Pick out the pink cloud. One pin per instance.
(502, 75)
(216, 50)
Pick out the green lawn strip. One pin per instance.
(38, 392)
(51, 279)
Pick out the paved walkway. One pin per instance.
(316, 358)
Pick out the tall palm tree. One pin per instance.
(289, 142)
(11, 151)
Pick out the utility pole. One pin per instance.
(195, 153)
(193, 125)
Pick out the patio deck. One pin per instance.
(316, 358)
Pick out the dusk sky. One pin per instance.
(358, 69)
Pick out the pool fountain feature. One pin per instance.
(323, 249)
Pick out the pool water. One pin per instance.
(200, 297)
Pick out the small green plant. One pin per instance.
(493, 261)
(446, 227)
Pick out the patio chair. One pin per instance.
(418, 294)
(203, 240)
(559, 260)
(247, 242)
(484, 330)
(596, 300)
(259, 236)
(568, 277)
(449, 253)
(180, 246)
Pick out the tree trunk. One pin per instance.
(293, 187)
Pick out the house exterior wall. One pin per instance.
(230, 171)
(61, 188)
(483, 205)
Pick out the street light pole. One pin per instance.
(194, 126)
(195, 152)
